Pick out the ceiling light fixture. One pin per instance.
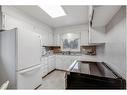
(53, 11)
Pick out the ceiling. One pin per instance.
(75, 15)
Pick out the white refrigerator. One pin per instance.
(26, 57)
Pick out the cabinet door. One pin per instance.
(53, 62)
(44, 67)
(7, 22)
(46, 40)
(44, 71)
(50, 63)
(66, 63)
(84, 38)
(57, 40)
(70, 60)
(59, 62)
(97, 35)
(74, 58)
(63, 62)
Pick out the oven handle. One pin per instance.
(72, 65)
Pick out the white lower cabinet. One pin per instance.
(64, 61)
(67, 61)
(48, 64)
(44, 66)
(51, 63)
(61, 62)
(44, 71)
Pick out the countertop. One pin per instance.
(96, 68)
(81, 57)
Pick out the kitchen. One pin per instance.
(43, 51)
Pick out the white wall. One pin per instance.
(17, 18)
(114, 51)
(82, 29)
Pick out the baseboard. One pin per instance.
(48, 73)
(37, 87)
(61, 70)
(52, 71)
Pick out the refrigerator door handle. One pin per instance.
(29, 69)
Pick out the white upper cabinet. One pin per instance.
(90, 13)
(84, 38)
(99, 17)
(47, 39)
(56, 39)
(97, 35)
(7, 22)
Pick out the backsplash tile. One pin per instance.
(86, 50)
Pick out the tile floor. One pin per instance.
(55, 80)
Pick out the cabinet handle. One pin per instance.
(3, 21)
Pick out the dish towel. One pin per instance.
(4, 85)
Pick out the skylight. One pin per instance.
(53, 11)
